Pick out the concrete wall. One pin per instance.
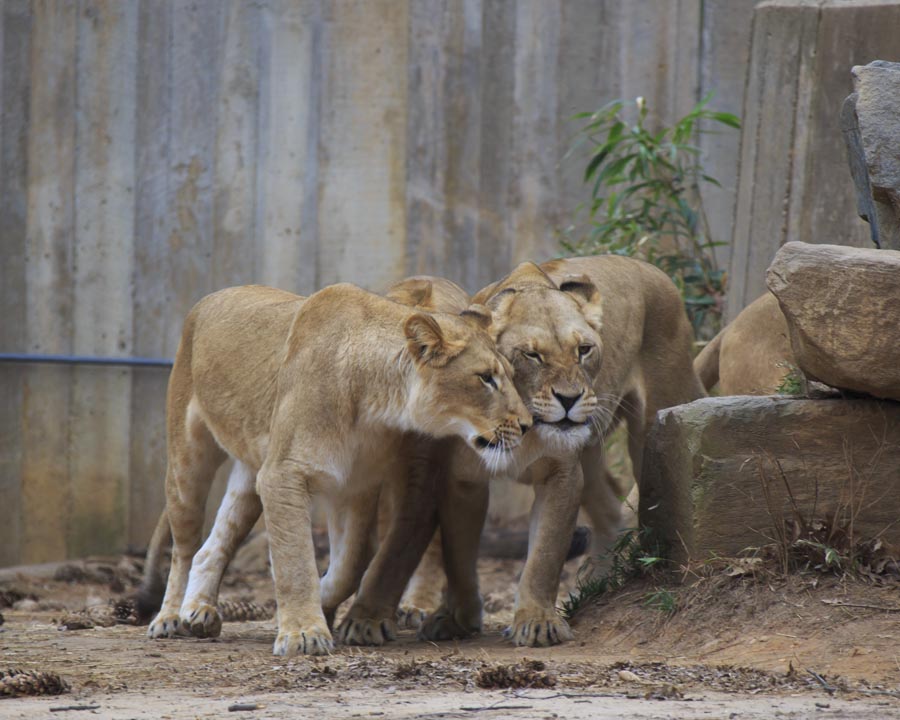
(151, 152)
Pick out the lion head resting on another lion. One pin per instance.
(592, 341)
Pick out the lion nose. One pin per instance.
(567, 401)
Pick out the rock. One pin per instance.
(712, 479)
(842, 307)
(870, 122)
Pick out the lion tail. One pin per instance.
(150, 594)
(706, 364)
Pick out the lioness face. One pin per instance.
(555, 353)
(465, 386)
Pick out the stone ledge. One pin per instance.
(710, 483)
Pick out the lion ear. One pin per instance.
(412, 292)
(586, 294)
(582, 287)
(479, 315)
(426, 342)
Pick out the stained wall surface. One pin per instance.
(151, 152)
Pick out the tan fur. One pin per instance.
(308, 396)
(751, 355)
(628, 317)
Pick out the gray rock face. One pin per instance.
(712, 480)
(842, 307)
(870, 122)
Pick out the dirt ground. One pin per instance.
(738, 645)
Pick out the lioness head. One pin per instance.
(551, 336)
(464, 386)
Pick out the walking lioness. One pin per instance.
(305, 395)
(593, 341)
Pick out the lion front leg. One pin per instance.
(410, 492)
(284, 489)
(536, 622)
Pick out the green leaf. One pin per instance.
(726, 119)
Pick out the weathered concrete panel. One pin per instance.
(362, 145)
(235, 175)
(444, 139)
(103, 266)
(156, 330)
(48, 276)
(287, 201)
(15, 47)
(725, 43)
(768, 138)
(534, 184)
(494, 252)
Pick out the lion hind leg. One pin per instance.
(602, 505)
(239, 511)
(150, 594)
(351, 524)
(194, 457)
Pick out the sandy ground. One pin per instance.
(738, 646)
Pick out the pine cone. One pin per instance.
(530, 675)
(76, 621)
(245, 610)
(14, 683)
(125, 611)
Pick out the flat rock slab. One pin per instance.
(842, 307)
(712, 484)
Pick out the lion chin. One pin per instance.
(563, 436)
(496, 457)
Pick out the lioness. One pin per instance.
(751, 355)
(306, 395)
(592, 341)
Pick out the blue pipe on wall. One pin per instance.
(85, 360)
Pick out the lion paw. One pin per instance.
(539, 630)
(167, 625)
(314, 641)
(366, 631)
(409, 617)
(447, 624)
(202, 620)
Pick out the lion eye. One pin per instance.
(584, 351)
(533, 356)
(488, 379)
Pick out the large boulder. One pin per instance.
(870, 121)
(722, 474)
(842, 307)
